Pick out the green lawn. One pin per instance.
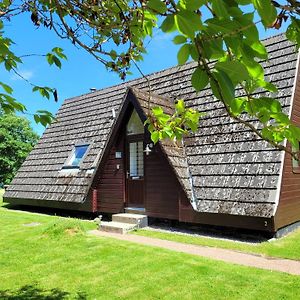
(58, 260)
(286, 247)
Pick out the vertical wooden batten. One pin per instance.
(95, 200)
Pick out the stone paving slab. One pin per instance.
(230, 256)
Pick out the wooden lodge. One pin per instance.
(98, 157)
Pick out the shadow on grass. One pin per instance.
(33, 293)
(56, 211)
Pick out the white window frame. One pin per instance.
(71, 158)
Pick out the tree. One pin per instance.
(223, 31)
(16, 141)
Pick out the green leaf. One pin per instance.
(264, 115)
(281, 118)
(270, 104)
(223, 25)
(219, 8)
(237, 105)
(56, 61)
(36, 118)
(267, 133)
(193, 52)
(250, 31)
(52, 59)
(294, 137)
(4, 46)
(157, 111)
(234, 10)
(167, 132)
(199, 79)
(266, 10)
(155, 136)
(6, 87)
(183, 54)
(59, 52)
(188, 23)
(179, 39)
(49, 58)
(44, 117)
(236, 71)
(168, 25)
(113, 54)
(265, 108)
(224, 88)
(254, 68)
(258, 48)
(162, 119)
(157, 6)
(268, 86)
(44, 91)
(8, 65)
(293, 31)
(213, 49)
(192, 119)
(194, 4)
(243, 2)
(180, 106)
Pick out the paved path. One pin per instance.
(250, 260)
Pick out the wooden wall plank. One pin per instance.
(110, 184)
(161, 187)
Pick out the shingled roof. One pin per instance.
(224, 168)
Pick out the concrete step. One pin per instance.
(116, 227)
(139, 220)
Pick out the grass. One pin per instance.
(286, 247)
(58, 260)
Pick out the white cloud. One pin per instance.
(26, 74)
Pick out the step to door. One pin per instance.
(122, 223)
(139, 220)
(116, 227)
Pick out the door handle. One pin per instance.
(127, 174)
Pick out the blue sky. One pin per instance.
(79, 73)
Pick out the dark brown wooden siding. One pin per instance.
(288, 210)
(161, 187)
(110, 184)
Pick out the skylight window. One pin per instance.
(77, 155)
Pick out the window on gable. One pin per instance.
(77, 155)
(135, 125)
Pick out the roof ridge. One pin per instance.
(274, 36)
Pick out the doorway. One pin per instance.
(135, 161)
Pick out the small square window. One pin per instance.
(77, 155)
